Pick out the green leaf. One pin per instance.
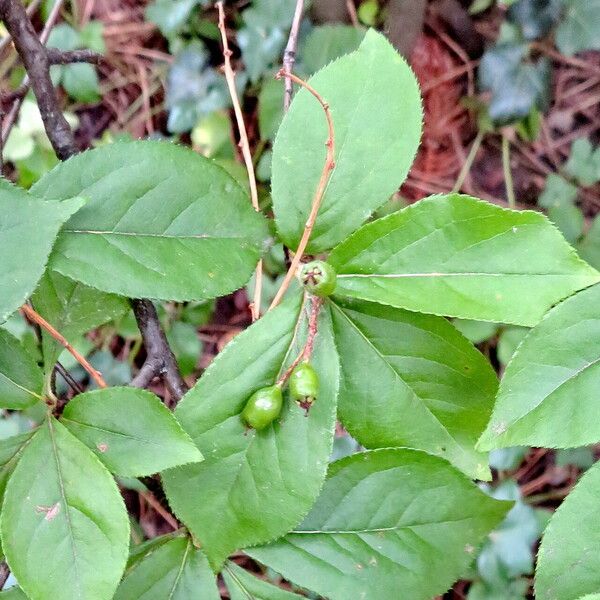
(21, 380)
(328, 42)
(558, 192)
(568, 563)
(243, 586)
(270, 108)
(386, 520)
(569, 220)
(433, 391)
(584, 162)
(547, 396)
(457, 256)
(376, 111)
(80, 81)
(580, 29)
(162, 222)
(186, 345)
(10, 451)
(582, 458)
(589, 247)
(173, 571)
(254, 485)
(476, 332)
(131, 431)
(13, 593)
(73, 309)
(27, 232)
(508, 342)
(65, 530)
(170, 15)
(517, 85)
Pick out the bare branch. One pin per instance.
(319, 193)
(159, 356)
(35, 59)
(245, 147)
(59, 57)
(289, 55)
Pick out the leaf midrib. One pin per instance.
(135, 234)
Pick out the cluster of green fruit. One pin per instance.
(264, 406)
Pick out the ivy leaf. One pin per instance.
(517, 86)
(456, 256)
(567, 565)
(547, 396)
(175, 570)
(161, 222)
(21, 380)
(535, 17)
(579, 30)
(28, 229)
(11, 449)
(424, 522)
(242, 586)
(194, 89)
(131, 431)
(376, 111)
(558, 192)
(325, 43)
(65, 530)
(73, 309)
(170, 15)
(255, 485)
(264, 34)
(433, 391)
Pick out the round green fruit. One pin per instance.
(263, 407)
(319, 278)
(304, 385)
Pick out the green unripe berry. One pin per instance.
(319, 278)
(263, 407)
(304, 385)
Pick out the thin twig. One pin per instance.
(508, 180)
(245, 148)
(289, 55)
(39, 320)
(160, 509)
(72, 383)
(307, 350)
(469, 161)
(352, 13)
(319, 192)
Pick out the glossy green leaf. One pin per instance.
(457, 256)
(433, 390)
(548, 394)
(28, 229)
(376, 111)
(175, 570)
(580, 29)
(161, 222)
(14, 593)
(568, 563)
(386, 520)
(130, 430)
(254, 485)
(326, 43)
(243, 586)
(476, 332)
(73, 309)
(11, 449)
(64, 526)
(21, 380)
